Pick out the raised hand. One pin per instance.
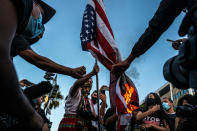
(95, 69)
(78, 72)
(103, 97)
(122, 66)
(177, 43)
(155, 108)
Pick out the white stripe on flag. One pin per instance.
(105, 31)
(118, 92)
(100, 50)
(103, 52)
(101, 4)
(91, 2)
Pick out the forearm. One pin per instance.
(162, 19)
(50, 66)
(130, 58)
(141, 115)
(102, 109)
(149, 37)
(159, 128)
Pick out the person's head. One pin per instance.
(94, 94)
(187, 115)
(47, 11)
(152, 99)
(22, 83)
(41, 14)
(37, 102)
(103, 89)
(167, 104)
(186, 99)
(87, 86)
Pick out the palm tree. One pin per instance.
(54, 100)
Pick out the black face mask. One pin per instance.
(150, 102)
(94, 100)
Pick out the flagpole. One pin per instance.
(97, 90)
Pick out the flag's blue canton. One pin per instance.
(88, 31)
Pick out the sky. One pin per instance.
(128, 19)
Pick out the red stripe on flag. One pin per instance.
(101, 58)
(103, 16)
(112, 90)
(115, 101)
(120, 106)
(95, 43)
(109, 51)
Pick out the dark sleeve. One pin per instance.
(108, 113)
(19, 43)
(166, 13)
(42, 114)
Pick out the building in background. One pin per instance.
(170, 91)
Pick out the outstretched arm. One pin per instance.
(164, 16)
(49, 65)
(82, 80)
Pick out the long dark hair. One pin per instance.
(161, 113)
(156, 98)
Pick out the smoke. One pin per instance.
(133, 73)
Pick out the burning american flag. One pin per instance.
(97, 37)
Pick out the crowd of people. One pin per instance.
(24, 25)
(155, 114)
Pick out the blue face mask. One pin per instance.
(34, 28)
(35, 101)
(165, 106)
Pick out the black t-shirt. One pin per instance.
(19, 43)
(172, 121)
(153, 119)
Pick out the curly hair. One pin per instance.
(160, 112)
(156, 98)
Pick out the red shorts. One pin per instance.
(71, 122)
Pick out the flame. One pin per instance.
(128, 98)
